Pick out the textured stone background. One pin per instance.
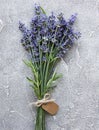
(77, 93)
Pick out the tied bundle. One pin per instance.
(47, 42)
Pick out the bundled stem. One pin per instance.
(40, 119)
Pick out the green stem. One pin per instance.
(47, 68)
(40, 119)
(44, 70)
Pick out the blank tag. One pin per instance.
(51, 108)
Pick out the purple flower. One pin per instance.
(72, 19)
(37, 9)
(47, 31)
(22, 27)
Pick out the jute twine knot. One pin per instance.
(46, 99)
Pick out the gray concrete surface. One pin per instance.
(77, 93)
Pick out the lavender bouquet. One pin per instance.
(47, 41)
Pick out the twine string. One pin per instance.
(46, 99)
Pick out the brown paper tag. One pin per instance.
(51, 108)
